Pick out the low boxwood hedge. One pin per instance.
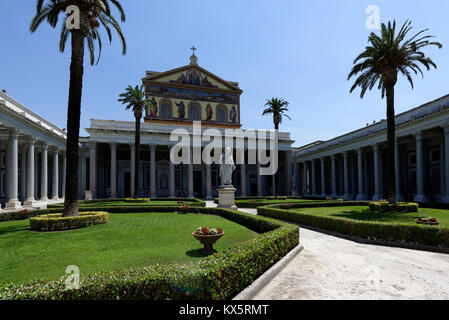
(194, 202)
(382, 206)
(391, 232)
(220, 276)
(56, 222)
(138, 200)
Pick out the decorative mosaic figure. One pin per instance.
(181, 110)
(153, 108)
(233, 114)
(209, 113)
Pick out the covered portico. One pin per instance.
(32, 158)
(109, 165)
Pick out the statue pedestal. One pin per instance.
(226, 197)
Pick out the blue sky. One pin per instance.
(301, 51)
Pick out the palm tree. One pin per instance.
(135, 98)
(93, 14)
(278, 108)
(386, 55)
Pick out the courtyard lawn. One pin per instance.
(364, 213)
(121, 203)
(127, 241)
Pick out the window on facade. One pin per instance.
(166, 111)
(221, 115)
(194, 113)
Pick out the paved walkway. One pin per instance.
(335, 268)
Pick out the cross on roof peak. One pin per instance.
(193, 49)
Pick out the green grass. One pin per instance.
(128, 240)
(124, 203)
(364, 213)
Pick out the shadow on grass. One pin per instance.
(369, 215)
(198, 253)
(13, 229)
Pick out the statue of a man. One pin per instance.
(227, 167)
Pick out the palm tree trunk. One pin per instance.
(73, 124)
(276, 130)
(137, 159)
(391, 172)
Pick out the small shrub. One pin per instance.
(56, 222)
(384, 206)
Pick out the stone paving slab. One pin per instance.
(333, 268)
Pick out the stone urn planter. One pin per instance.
(208, 241)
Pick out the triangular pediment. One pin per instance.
(191, 75)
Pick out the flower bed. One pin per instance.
(56, 222)
(384, 206)
(220, 276)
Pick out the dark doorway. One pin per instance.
(253, 185)
(128, 185)
(198, 184)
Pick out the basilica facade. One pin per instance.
(33, 150)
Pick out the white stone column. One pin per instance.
(313, 178)
(23, 173)
(323, 178)
(113, 147)
(334, 177)
(288, 163)
(361, 195)
(55, 176)
(208, 182)
(133, 168)
(44, 172)
(420, 196)
(397, 164)
(152, 170)
(172, 176)
(13, 203)
(446, 163)
(243, 180)
(377, 193)
(259, 179)
(83, 173)
(306, 191)
(93, 169)
(190, 177)
(346, 196)
(64, 169)
(36, 174)
(30, 201)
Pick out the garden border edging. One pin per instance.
(251, 291)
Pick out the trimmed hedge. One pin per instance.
(191, 201)
(56, 222)
(138, 200)
(397, 232)
(220, 276)
(398, 207)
